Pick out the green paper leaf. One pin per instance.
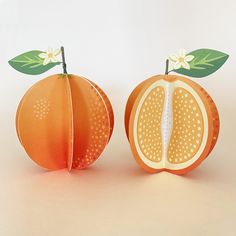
(204, 63)
(30, 63)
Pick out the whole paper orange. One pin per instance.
(172, 124)
(64, 121)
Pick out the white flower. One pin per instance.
(50, 56)
(181, 60)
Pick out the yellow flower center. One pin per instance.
(181, 59)
(50, 55)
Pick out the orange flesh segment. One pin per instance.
(187, 129)
(149, 125)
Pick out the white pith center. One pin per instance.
(167, 120)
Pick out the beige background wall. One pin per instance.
(117, 44)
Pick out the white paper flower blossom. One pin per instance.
(50, 56)
(181, 60)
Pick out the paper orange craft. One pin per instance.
(171, 122)
(64, 121)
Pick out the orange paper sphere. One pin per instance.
(172, 124)
(64, 121)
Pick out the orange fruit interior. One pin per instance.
(172, 124)
(64, 121)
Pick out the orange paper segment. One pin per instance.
(64, 122)
(108, 106)
(172, 124)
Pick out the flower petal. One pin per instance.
(182, 52)
(189, 58)
(173, 58)
(54, 59)
(177, 65)
(57, 52)
(46, 61)
(49, 51)
(43, 55)
(185, 65)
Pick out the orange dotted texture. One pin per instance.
(187, 129)
(90, 120)
(108, 106)
(149, 124)
(41, 108)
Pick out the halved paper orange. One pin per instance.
(172, 124)
(64, 121)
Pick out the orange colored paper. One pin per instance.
(63, 122)
(172, 124)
